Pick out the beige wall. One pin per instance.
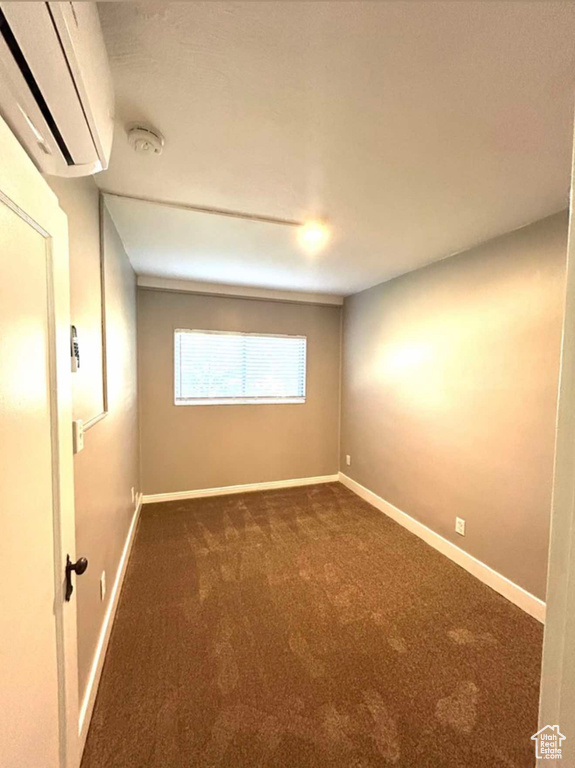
(189, 447)
(107, 468)
(449, 394)
(85, 292)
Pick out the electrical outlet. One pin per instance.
(348, 460)
(460, 526)
(133, 494)
(103, 586)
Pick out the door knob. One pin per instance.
(79, 567)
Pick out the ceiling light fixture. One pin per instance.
(313, 235)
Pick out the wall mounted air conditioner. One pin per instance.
(56, 90)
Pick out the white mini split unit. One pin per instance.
(56, 90)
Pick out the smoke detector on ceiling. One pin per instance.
(145, 140)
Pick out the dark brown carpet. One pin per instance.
(302, 627)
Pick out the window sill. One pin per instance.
(243, 401)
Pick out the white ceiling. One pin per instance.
(169, 242)
(418, 128)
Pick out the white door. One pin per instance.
(557, 706)
(38, 675)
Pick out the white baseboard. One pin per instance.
(248, 488)
(513, 592)
(100, 654)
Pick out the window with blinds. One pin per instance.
(219, 368)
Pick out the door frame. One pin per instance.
(557, 701)
(24, 190)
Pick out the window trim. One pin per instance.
(182, 401)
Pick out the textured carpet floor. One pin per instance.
(301, 627)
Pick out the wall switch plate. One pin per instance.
(78, 435)
(103, 586)
(133, 494)
(348, 460)
(460, 526)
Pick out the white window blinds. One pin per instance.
(213, 367)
